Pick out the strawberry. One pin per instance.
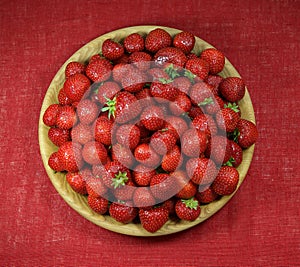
(187, 209)
(154, 218)
(162, 141)
(123, 107)
(122, 154)
(116, 175)
(215, 59)
(205, 123)
(95, 187)
(227, 119)
(77, 182)
(219, 149)
(172, 160)
(141, 60)
(50, 115)
(107, 90)
(157, 39)
(206, 195)
(58, 136)
(236, 154)
(122, 213)
(182, 84)
(112, 50)
(170, 55)
(185, 41)
(134, 43)
(247, 133)
(232, 89)
(69, 155)
(74, 67)
(128, 135)
(182, 104)
(54, 162)
(99, 70)
(76, 86)
(153, 118)
(194, 142)
(198, 66)
(66, 117)
(177, 125)
(186, 187)
(63, 99)
(94, 152)
(102, 130)
(134, 80)
(87, 111)
(226, 181)
(98, 204)
(214, 81)
(146, 155)
(142, 175)
(201, 170)
(142, 197)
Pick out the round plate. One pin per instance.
(79, 202)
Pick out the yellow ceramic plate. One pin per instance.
(78, 202)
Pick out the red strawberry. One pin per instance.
(157, 39)
(170, 55)
(69, 155)
(107, 90)
(172, 160)
(177, 125)
(122, 213)
(87, 111)
(94, 152)
(186, 187)
(146, 155)
(214, 81)
(187, 209)
(232, 89)
(141, 60)
(76, 86)
(122, 154)
(66, 117)
(123, 107)
(201, 170)
(134, 42)
(128, 135)
(198, 66)
(154, 218)
(182, 104)
(58, 136)
(134, 80)
(82, 133)
(163, 91)
(153, 118)
(247, 133)
(95, 187)
(226, 181)
(227, 119)
(74, 67)
(98, 204)
(102, 130)
(194, 142)
(50, 115)
(236, 154)
(112, 50)
(215, 59)
(219, 149)
(205, 123)
(63, 99)
(99, 70)
(162, 141)
(206, 195)
(142, 175)
(142, 197)
(185, 41)
(182, 84)
(77, 182)
(54, 162)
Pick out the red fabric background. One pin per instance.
(258, 227)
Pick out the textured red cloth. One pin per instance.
(258, 227)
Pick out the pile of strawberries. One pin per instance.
(148, 130)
